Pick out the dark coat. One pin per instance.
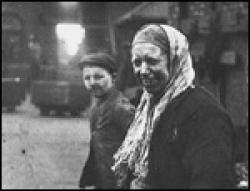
(192, 145)
(109, 122)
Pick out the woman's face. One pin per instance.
(97, 80)
(150, 66)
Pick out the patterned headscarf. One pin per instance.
(134, 150)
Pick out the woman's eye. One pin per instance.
(151, 61)
(137, 62)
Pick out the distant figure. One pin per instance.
(35, 57)
(111, 115)
(181, 137)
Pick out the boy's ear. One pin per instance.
(114, 76)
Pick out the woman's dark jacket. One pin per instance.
(109, 122)
(192, 145)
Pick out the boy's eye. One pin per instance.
(86, 77)
(98, 77)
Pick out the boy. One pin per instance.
(111, 114)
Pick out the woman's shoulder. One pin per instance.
(203, 99)
(199, 100)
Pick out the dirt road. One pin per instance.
(42, 152)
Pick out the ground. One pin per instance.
(42, 152)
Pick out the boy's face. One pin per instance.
(97, 80)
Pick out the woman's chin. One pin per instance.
(150, 89)
(155, 90)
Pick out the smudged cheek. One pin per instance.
(156, 72)
(160, 71)
(86, 84)
(103, 86)
(137, 73)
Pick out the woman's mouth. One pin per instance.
(148, 82)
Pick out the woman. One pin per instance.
(181, 137)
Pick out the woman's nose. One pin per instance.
(144, 70)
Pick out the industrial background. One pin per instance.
(44, 105)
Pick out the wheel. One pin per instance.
(44, 111)
(75, 113)
(11, 108)
(59, 113)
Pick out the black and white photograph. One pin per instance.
(125, 95)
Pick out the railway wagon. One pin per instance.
(59, 97)
(13, 92)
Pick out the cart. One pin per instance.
(59, 97)
(13, 92)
